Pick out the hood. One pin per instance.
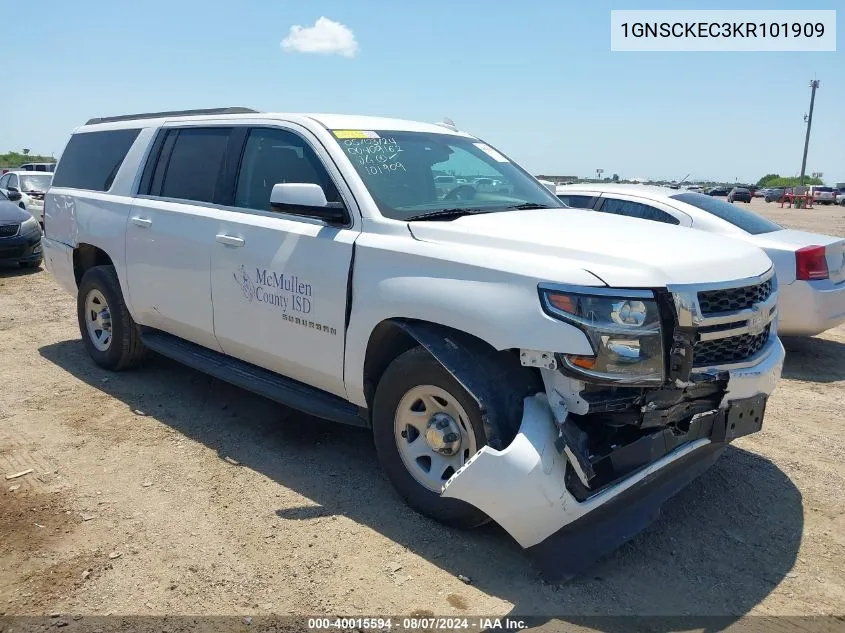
(11, 213)
(623, 252)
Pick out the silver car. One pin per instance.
(810, 267)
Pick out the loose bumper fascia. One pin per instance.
(523, 486)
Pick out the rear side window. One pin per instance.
(746, 220)
(91, 159)
(576, 202)
(636, 210)
(192, 168)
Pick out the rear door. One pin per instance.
(171, 229)
(280, 280)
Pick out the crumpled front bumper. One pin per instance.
(523, 489)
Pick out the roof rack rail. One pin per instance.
(158, 115)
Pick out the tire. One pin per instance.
(417, 370)
(124, 349)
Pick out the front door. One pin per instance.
(279, 280)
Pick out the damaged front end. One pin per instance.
(677, 374)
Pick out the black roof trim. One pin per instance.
(157, 115)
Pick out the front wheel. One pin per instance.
(110, 335)
(426, 426)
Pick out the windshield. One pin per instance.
(746, 220)
(410, 174)
(35, 182)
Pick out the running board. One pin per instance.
(247, 376)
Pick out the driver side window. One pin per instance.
(274, 156)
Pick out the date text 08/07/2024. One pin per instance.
(417, 623)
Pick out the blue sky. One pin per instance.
(535, 78)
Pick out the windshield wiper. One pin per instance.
(448, 214)
(529, 205)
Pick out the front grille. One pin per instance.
(732, 349)
(9, 230)
(733, 299)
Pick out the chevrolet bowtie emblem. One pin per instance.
(757, 321)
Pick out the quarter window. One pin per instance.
(576, 202)
(274, 156)
(91, 159)
(636, 210)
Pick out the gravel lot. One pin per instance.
(164, 491)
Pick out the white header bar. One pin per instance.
(726, 30)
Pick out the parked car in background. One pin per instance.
(739, 194)
(775, 194)
(32, 186)
(822, 194)
(758, 192)
(718, 191)
(810, 266)
(840, 198)
(51, 167)
(20, 235)
(444, 184)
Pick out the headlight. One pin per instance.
(30, 225)
(624, 332)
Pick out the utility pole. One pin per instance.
(813, 85)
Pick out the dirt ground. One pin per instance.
(164, 491)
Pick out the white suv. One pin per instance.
(513, 362)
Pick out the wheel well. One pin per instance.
(86, 256)
(389, 339)
(387, 342)
(496, 379)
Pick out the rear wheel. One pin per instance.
(426, 426)
(110, 335)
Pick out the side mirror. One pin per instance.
(14, 195)
(11, 189)
(305, 199)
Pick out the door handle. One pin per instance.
(230, 240)
(142, 222)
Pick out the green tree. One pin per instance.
(764, 181)
(776, 180)
(16, 159)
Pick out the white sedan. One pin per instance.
(810, 267)
(32, 185)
